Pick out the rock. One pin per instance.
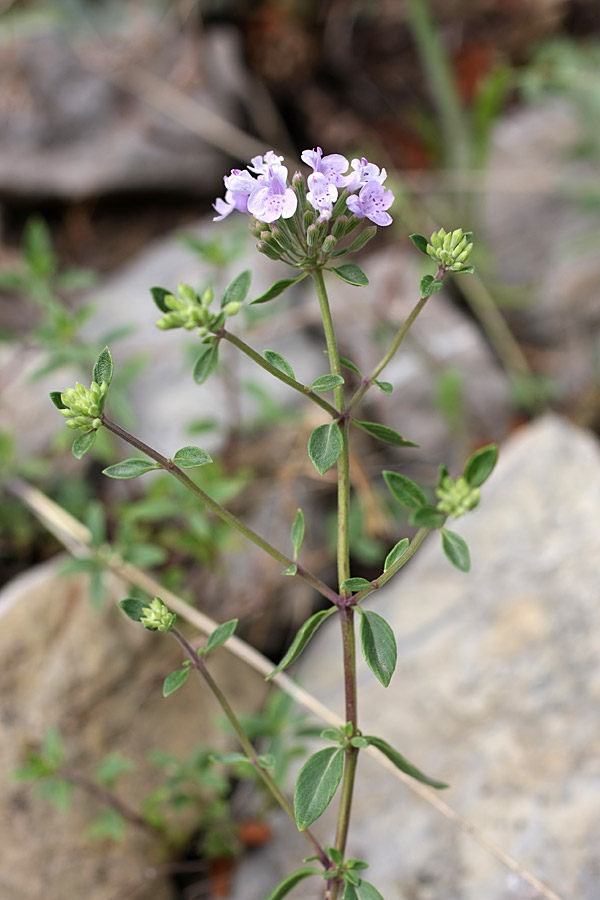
(97, 677)
(495, 691)
(69, 131)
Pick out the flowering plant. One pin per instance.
(309, 224)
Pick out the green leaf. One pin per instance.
(291, 570)
(402, 763)
(110, 769)
(332, 734)
(383, 433)
(324, 446)
(109, 824)
(130, 468)
(52, 747)
(456, 550)
(58, 791)
(83, 443)
(276, 289)
(384, 386)
(236, 291)
(103, 368)
(395, 553)
(37, 247)
(221, 635)
(349, 890)
(348, 364)
(233, 758)
(158, 295)
(298, 529)
(406, 491)
(378, 645)
(285, 886)
(279, 362)
(351, 274)
(55, 397)
(427, 517)
(206, 362)
(175, 680)
(480, 465)
(191, 457)
(430, 285)
(316, 785)
(464, 270)
(303, 636)
(133, 608)
(326, 382)
(355, 584)
(366, 891)
(420, 242)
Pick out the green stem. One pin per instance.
(389, 573)
(277, 373)
(369, 381)
(220, 511)
(199, 664)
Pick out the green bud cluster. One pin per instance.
(451, 250)
(83, 407)
(457, 497)
(157, 617)
(191, 309)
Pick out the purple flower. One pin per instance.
(371, 203)
(321, 195)
(240, 186)
(364, 172)
(332, 166)
(260, 164)
(272, 198)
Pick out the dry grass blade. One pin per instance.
(76, 538)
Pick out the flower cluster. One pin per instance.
(450, 249)
(457, 497)
(157, 617)
(192, 310)
(83, 407)
(265, 194)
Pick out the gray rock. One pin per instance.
(496, 691)
(97, 677)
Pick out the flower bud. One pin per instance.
(232, 308)
(457, 497)
(329, 244)
(268, 250)
(338, 229)
(157, 617)
(312, 235)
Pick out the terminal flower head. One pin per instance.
(364, 171)
(273, 199)
(332, 167)
(321, 195)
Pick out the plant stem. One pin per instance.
(108, 799)
(219, 510)
(343, 565)
(401, 334)
(389, 573)
(277, 373)
(199, 664)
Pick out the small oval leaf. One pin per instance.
(103, 368)
(427, 517)
(480, 465)
(158, 295)
(303, 636)
(221, 635)
(402, 763)
(351, 274)
(298, 529)
(383, 433)
(378, 645)
(55, 397)
(326, 382)
(430, 285)
(324, 446)
(406, 491)
(130, 468)
(395, 553)
(190, 457)
(174, 681)
(384, 386)
(316, 785)
(366, 891)
(420, 242)
(83, 443)
(206, 362)
(279, 362)
(236, 291)
(355, 584)
(133, 608)
(456, 550)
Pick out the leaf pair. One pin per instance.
(186, 458)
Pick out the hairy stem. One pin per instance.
(199, 664)
(277, 373)
(219, 510)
